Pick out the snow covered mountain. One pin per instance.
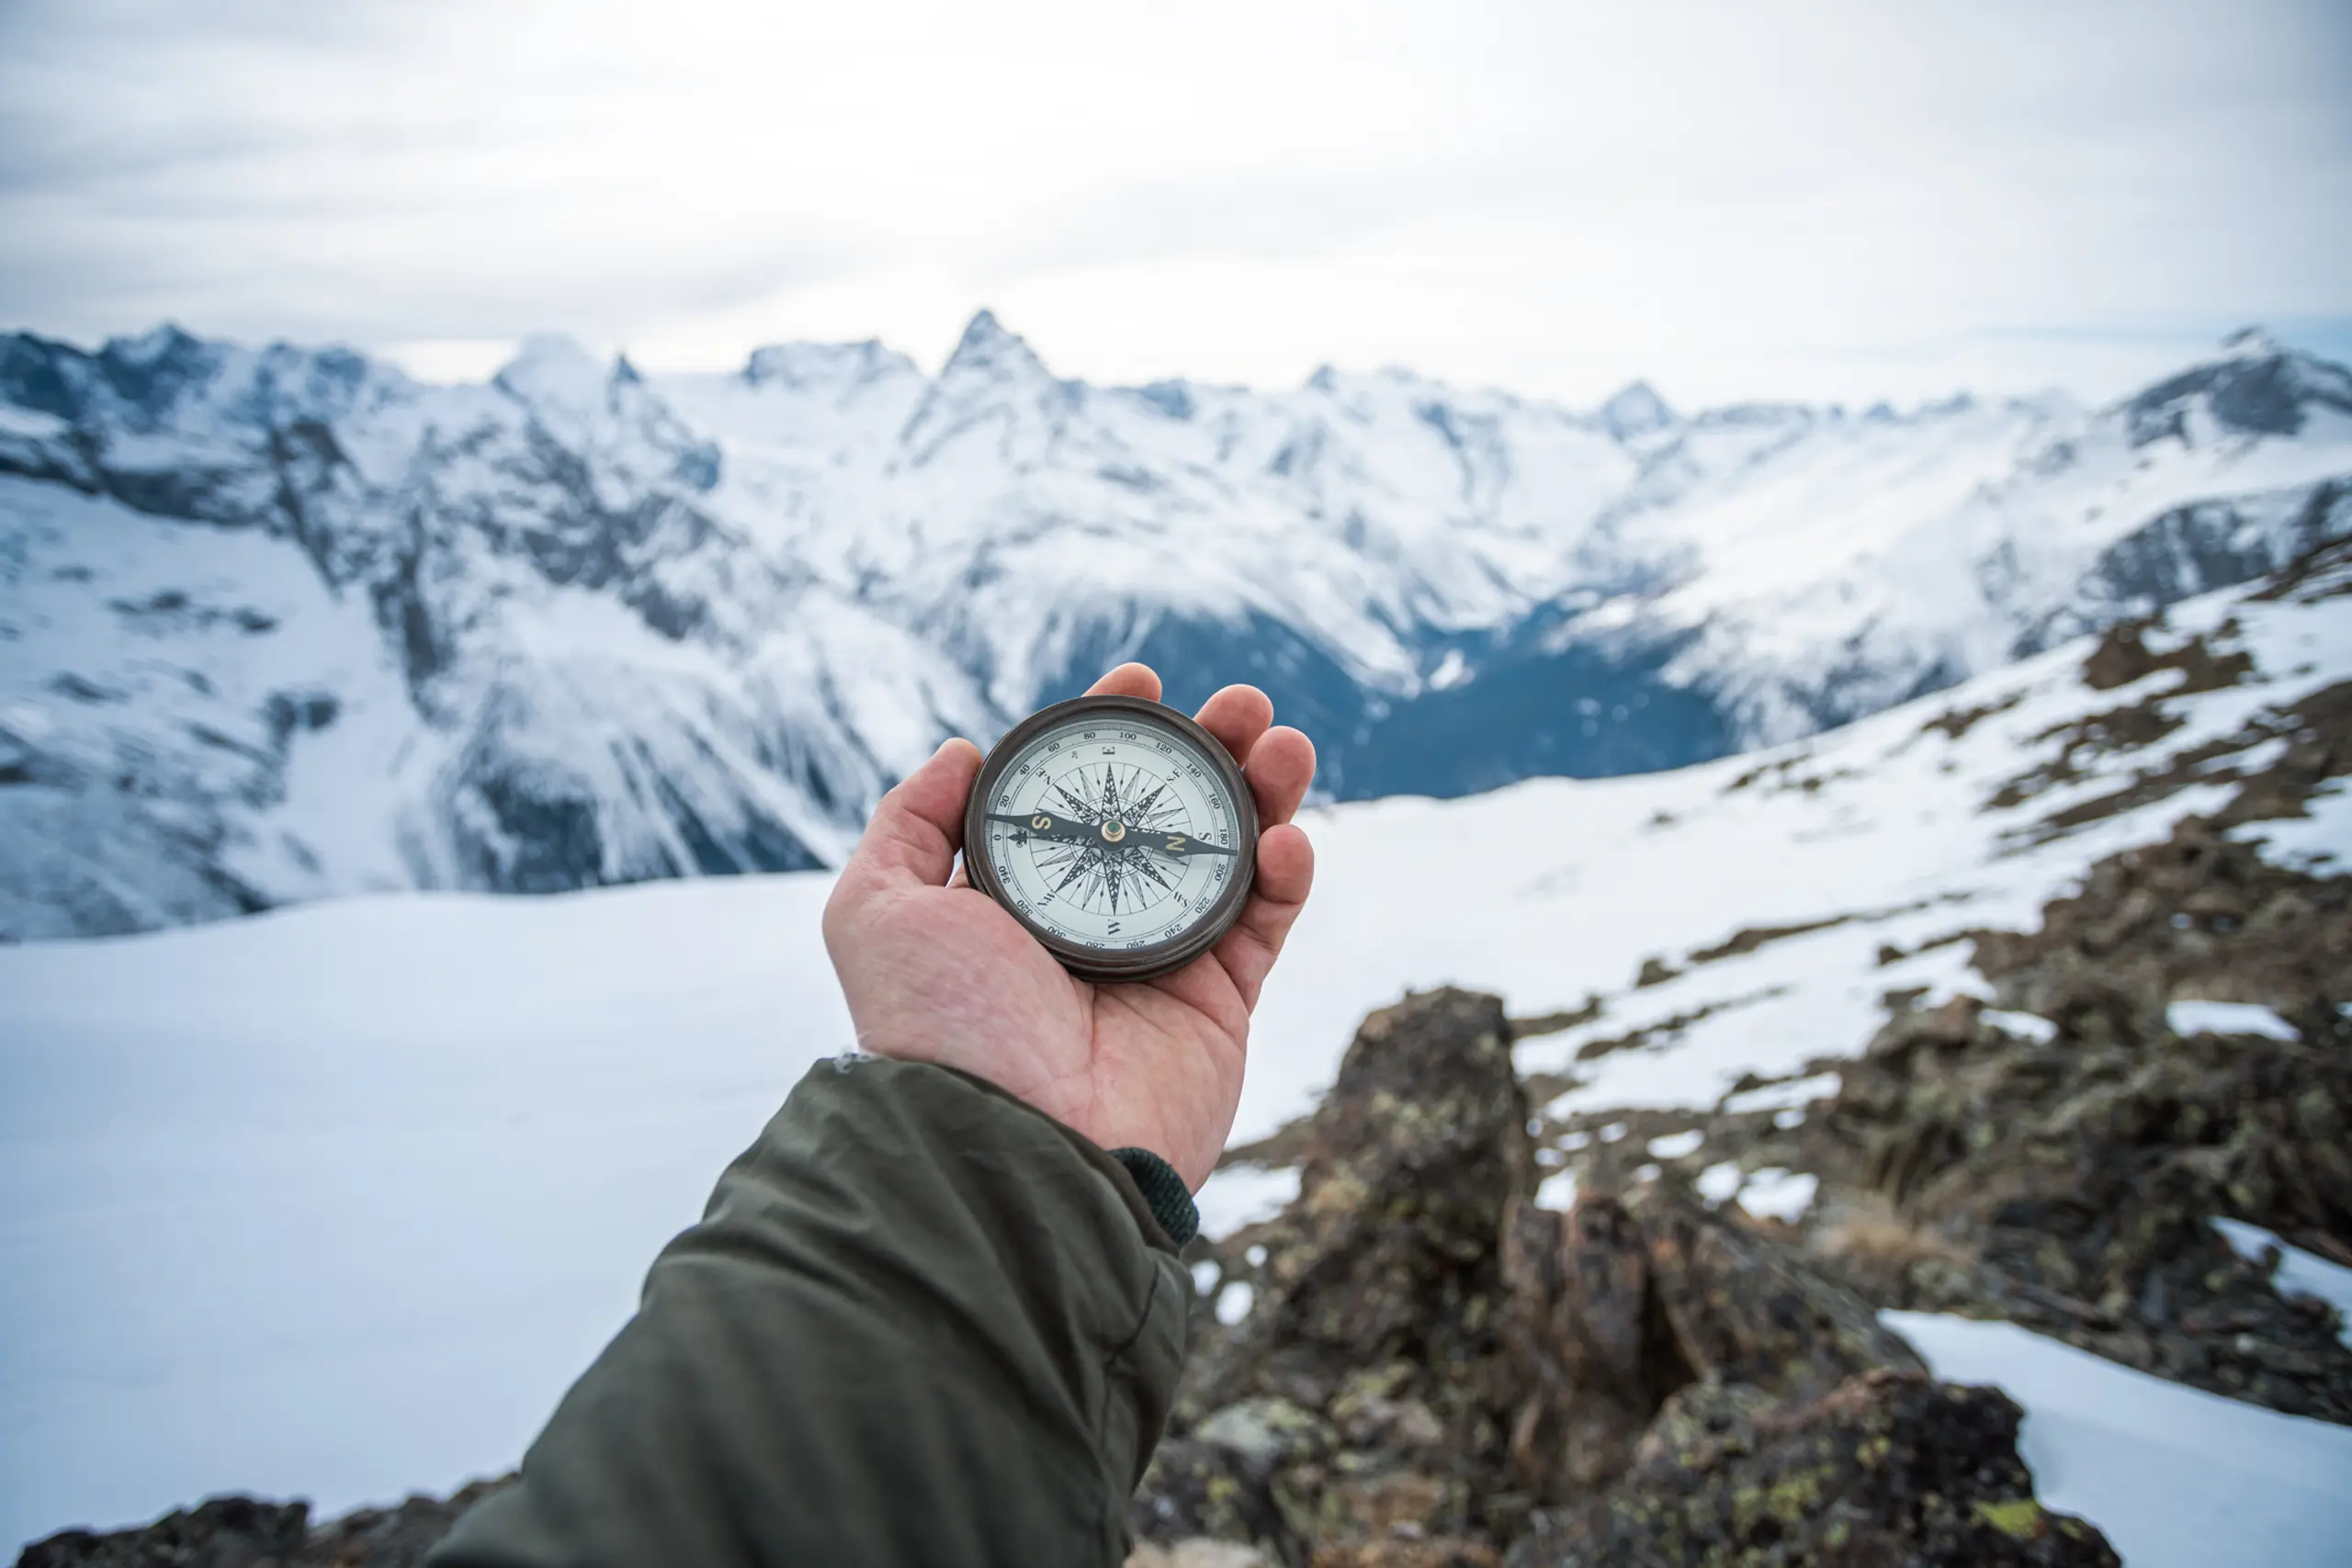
(283, 622)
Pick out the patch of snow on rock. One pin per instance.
(1777, 1195)
(2228, 1018)
(2299, 1273)
(2023, 1025)
(1718, 1182)
(1781, 1096)
(1558, 1191)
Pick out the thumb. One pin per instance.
(918, 825)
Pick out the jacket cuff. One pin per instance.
(1163, 1192)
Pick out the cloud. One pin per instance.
(1835, 199)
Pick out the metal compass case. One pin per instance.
(1118, 831)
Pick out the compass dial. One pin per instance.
(1117, 830)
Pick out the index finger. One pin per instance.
(1129, 679)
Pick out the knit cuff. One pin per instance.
(1163, 1192)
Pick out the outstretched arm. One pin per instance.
(928, 1319)
(921, 1323)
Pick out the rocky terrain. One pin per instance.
(2054, 1157)
(1435, 1371)
(245, 1532)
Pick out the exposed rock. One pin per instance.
(1198, 1490)
(2080, 1169)
(229, 1532)
(2122, 656)
(1430, 1356)
(1388, 1253)
(1744, 1310)
(1619, 1308)
(246, 1532)
(2062, 1170)
(1889, 1468)
(1590, 1340)
(1356, 1409)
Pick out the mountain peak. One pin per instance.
(151, 371)
(1636, 409)
(986, 348)
(2255, 387)
(2250, 343)
(802, 365)
(153, 346)
(553, 369)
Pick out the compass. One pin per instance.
(1117, 832)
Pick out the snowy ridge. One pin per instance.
(283, 622)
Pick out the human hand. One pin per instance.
(935, 971)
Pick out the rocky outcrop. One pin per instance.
(1437, 1373)
(2055, 1149)
(1358, 1404)
(1410, 1164)
(1888, 1468)
(1619, 1308)
(246, 1532)
(2075, 1171)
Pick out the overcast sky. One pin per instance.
(1741, 199)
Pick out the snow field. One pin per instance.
(337, 1202)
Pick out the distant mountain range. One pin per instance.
(284, 623)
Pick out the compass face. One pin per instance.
(1117, 830)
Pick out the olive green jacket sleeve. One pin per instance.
(920, 1323)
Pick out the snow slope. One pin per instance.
(1881, 834)
(335, 1201)
(2176, 1477)
(283, 622)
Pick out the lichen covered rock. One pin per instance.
(1887, 1468)
(1436, 1372)
(1618, 1308)
(247, 1532)
(1356, 1410)
(2080, 1167)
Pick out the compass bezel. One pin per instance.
(1106, 965)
